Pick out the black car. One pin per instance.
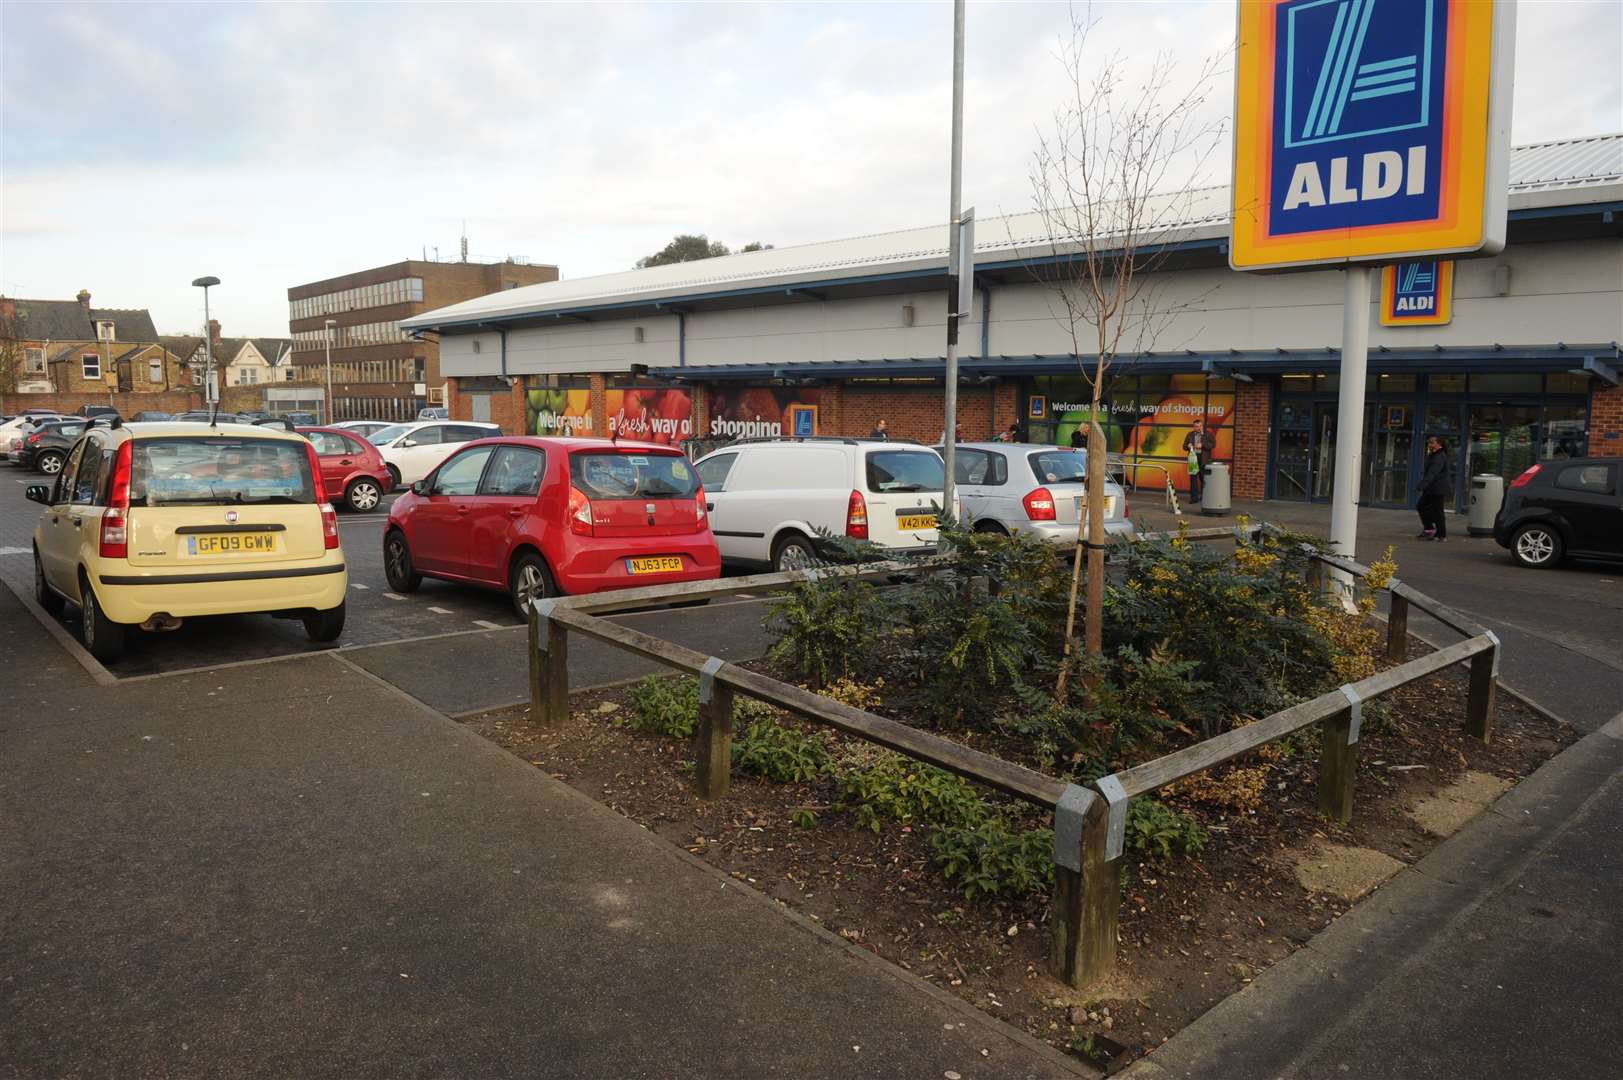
(97, 411)
(1561, 508)
(151, 416)
(46, 448)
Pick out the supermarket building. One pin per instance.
(828, 338)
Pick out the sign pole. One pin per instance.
(1350, 420)
(949, 402)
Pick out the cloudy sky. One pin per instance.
(144, 145)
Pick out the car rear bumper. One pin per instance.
(129, 595)
(601, 566)
(1065, 532)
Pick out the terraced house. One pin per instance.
(242, 361)
(68, 347)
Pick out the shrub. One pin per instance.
(783, 754)
(826, 629)
(664, 706)
(1156, 829)
(991, 859)
(855, 694)
(883, 786)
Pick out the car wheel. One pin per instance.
(397, 565)
(103, 638)
(986, 526)
(1537, 546)
(49, 463)
(363, 495)
(325, 626)
(530, 581)
(793, 552)
(394, 478)
(44, 595)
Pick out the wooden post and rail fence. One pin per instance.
(1090, 820)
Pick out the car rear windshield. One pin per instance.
(388, 435)
(905, 470)
(217, 470)
(1059, 467)
(616, 475)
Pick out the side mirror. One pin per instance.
(40, 493)
(406, 444)
(420, 488)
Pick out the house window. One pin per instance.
(34, 361)
(250, 376)
(92, 365)
(104, 331)
(155, 369)
(197, 376)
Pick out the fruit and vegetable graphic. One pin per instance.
(650, 414)
(1151, 438)
(556, 411)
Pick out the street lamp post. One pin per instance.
(208, 347)
(330, 324)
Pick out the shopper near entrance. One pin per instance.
(1079, 437)
(881, 430)
(1436, 486)
(1011, 434)
(1198, 446)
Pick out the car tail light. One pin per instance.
(580, 513)
(329, 516)
(1527, 477)
(115, 533)
(315, 473)
(1039, 505)
(856, 516)
(1126, 506)
(35, 438)
(329, 526)
(698, 504)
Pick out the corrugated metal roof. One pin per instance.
(1544, 174)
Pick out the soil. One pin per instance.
(1193, 929)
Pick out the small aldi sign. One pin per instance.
(1370, 130)
(1418, 293)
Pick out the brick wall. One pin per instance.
(915, 412)
(126, 404)
(1606, 422)
(1253, 410)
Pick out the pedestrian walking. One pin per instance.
(881, 430)
(1198, 446)
(1436, 484)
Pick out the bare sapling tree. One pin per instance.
(1115, 185)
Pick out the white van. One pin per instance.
(768, 498)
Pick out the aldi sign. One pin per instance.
(1417, 293)
(1369, 130)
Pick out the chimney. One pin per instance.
(214, 330)
(8, 308)
(84, 299)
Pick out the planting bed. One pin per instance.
(1193, 928)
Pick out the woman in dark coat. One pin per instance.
(1436, 485)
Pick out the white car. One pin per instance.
(1031, 488)
(414, 450)
(363, 428)
(768, 498)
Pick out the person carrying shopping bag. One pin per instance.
(1198, 445)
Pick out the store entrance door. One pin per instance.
(1324, 450)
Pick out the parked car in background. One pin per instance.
(93, 411)
(14, 430)
(412, 451)
(434, 412)
(363, 428)
(768, 498)
(280, 423)
(1561, 509)
(300, 418)
(541, 517)
(47, 446)
(201, 416)
(1031, 488)
(150, 416)
(351, 468)
(148, 526)
(252, 416)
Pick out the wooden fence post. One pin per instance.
(1086, 903)
(1484, 684)
(1338, 759)
(713, 738)
(549, 667)
(1397, 629)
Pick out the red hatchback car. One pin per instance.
(547, 516)
(352, 468)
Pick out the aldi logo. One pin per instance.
(1364, 130)
(1417, 293)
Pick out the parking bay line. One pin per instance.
(440, 610)
(394, 596)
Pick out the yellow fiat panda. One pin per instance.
(150, 524)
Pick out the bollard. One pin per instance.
(549, 666)
(1338, 759)
(1086, 903)
(713, 738)
(1484, 686)
(1397, 629)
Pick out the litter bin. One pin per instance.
(1214, 497)
(1487, 492)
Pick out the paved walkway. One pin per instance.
(1496, 954)
(290, 869)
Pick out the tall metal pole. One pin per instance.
(328, 418)
(208, 352)
(1350, 419)
(950, 402)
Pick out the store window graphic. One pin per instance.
(1357, 68)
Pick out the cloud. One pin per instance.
(278, 144)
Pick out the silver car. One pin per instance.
(1031, 488)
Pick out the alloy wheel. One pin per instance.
(397, 559)
(794, 557)
(87, 612)
(531, 585)
(1535, 546)
(50, 464)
